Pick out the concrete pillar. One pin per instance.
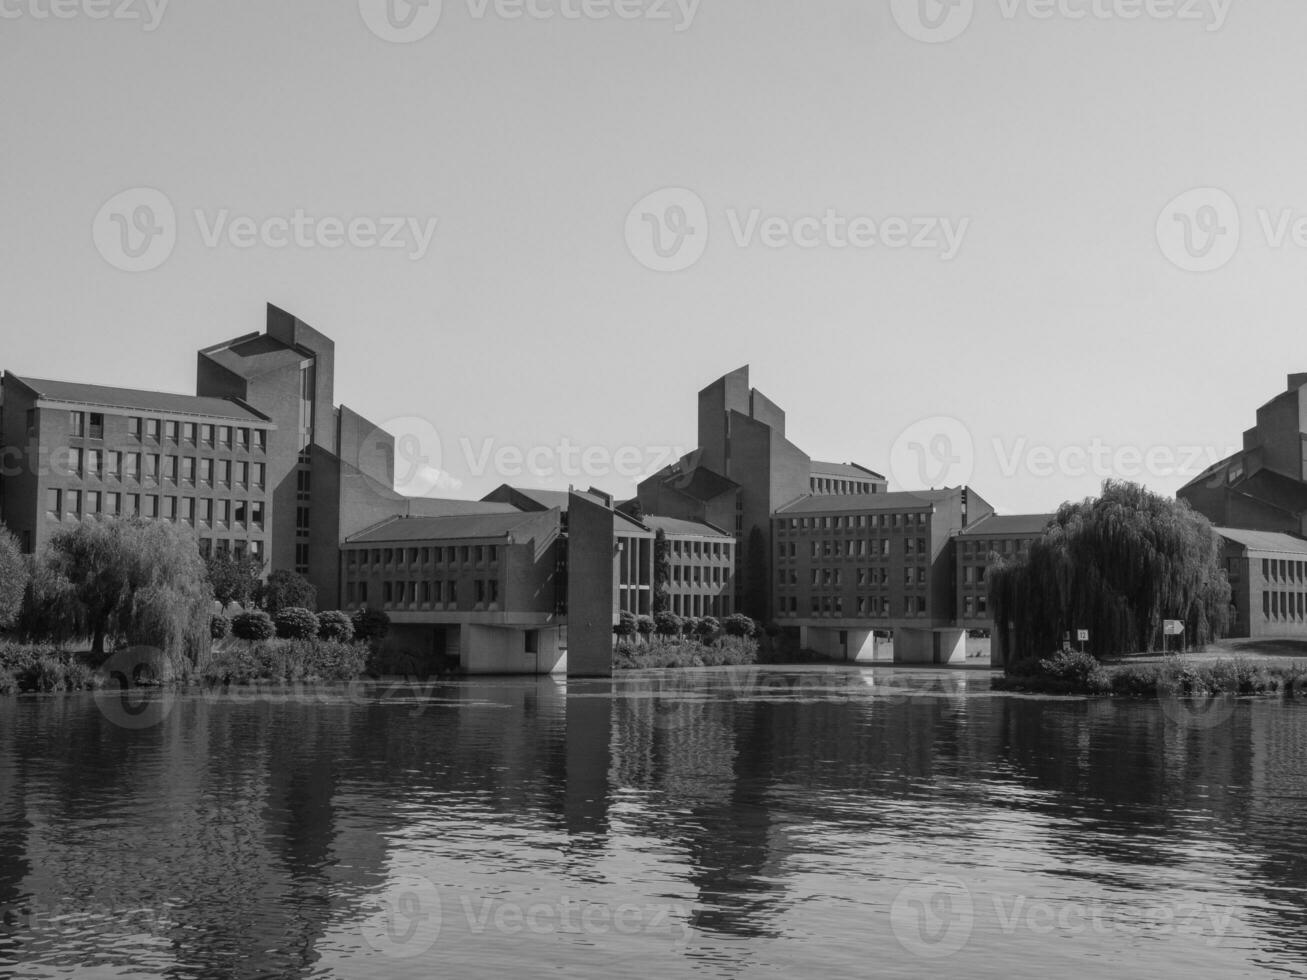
(951, 647)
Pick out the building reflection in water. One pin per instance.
(243, 838)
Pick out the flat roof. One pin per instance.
(996, 524)
(1268, 541)
(132, 399)
(864, 502)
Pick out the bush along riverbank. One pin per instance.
(1082, 674)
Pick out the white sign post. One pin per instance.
(1171, 627)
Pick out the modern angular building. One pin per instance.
(1268, 583)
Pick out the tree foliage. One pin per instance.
(662, 572)
(371, 624)
(233, 578)
(1117, 565)
(285, 590)
(627, 624)
(140, 581)
(296, 623)
(13, 578)
(667, 624)
(253, 626)
(335, 626)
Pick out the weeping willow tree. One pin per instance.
(1118, 565)
(142, 582)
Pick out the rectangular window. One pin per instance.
(242, 474)
(224, 472)
(188, 510)
(114, 467)
(206, 435)
(92, 502)
(224, 512)
(77, 424)
(188, 433)
(151, 467)
(260, 439)
(170, 468)
(206, 472)
(259, 470)
(188, 469)
(206, 511)
(151, 505)
(133, 505)
(242, 438)
(152, 429)
(170, 430)
(53, 502)
(112, 504)
(256, 514)
(170, 510)
(95, 463)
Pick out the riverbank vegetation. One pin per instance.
(1175, 676)
(132, 602)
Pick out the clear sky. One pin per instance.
(531, 318)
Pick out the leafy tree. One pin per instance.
(143, 581)
(740, 625)
(709, 629)
(757, 581)
(667, 624)
(1117, 565)
(626, 624)
(690, 626)
(219, 626)
(662, 572)
(50, 611)
(253, 626)
(286, 590)
(233, 578)
(371, 624)
(13, 578)
(336, 626)
(296, 623)
(645, 624)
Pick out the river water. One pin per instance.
(843, 822)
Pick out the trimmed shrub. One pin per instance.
(295, 623)
(661, 653)
(626, 624)
(370, 624)
(667, 624)
(282, 661)
(219, 626)
(645, 625)
(709, 629)
(253, 626)
(739, 625)
(335, 626)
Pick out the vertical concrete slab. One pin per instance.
(591, 590)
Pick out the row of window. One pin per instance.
(1283, 570)
(77, 504)
(974, 574)
(975, 606)
(834, 578)
(832, 485)
(453, 555)
(485, 593)
(223, 546)
(719, 550)
(701, 605)
(699, 575)
(152, 467)
(1009, 546)
(90, 425)
(833, 606)
(850, 522)
(1285, 606)
(849, 548)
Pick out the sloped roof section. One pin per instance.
(254, 354)
(1012, 524)
(845, 471)
(135, 400)
(516, 527)
(673, 525)
(864, 503)
(700, 483)
(1265, 541)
